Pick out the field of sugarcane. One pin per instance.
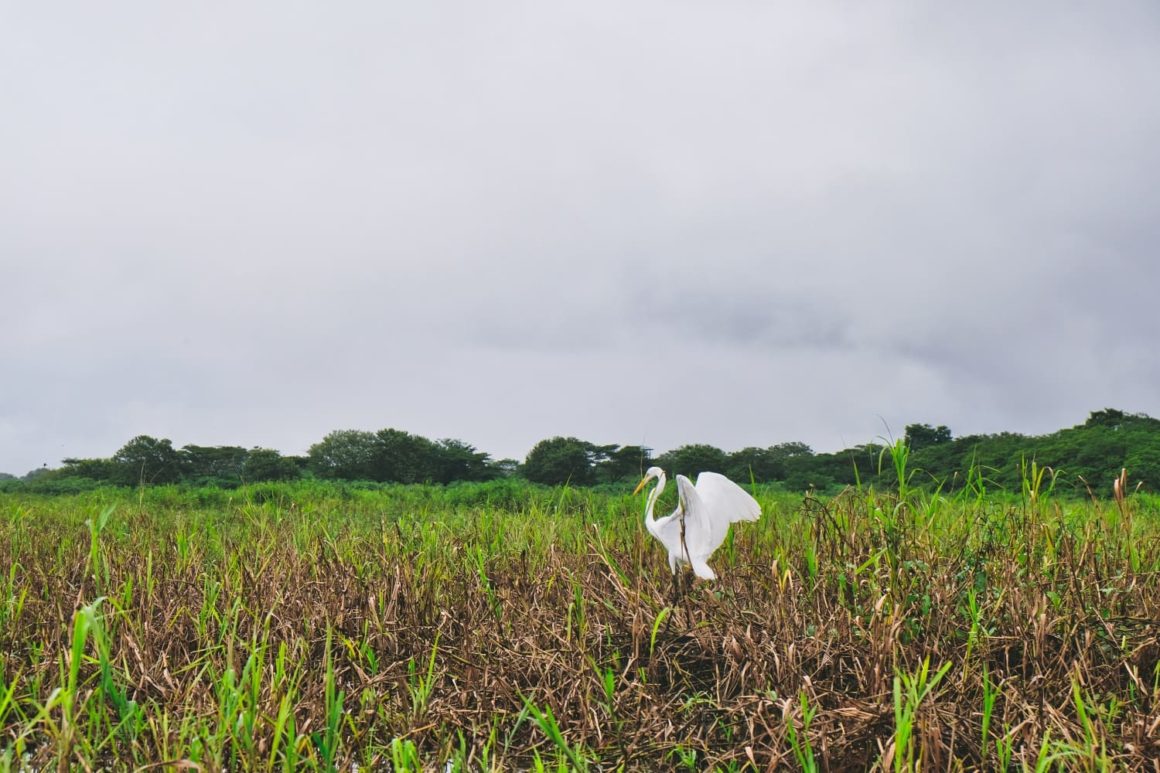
(505, 626)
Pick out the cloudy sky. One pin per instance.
(738, 223)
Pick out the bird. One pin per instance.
(699, 524)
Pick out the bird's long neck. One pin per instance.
(649, 521)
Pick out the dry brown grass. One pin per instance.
(226, 626)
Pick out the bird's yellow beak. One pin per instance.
(639, 486)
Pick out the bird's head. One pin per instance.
(653, 473)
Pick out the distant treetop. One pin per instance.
(1088, 455)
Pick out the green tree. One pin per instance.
(400, 457)
(506, 468)
(623, 463)
(1108, 417)
(347, 454)
(267, 464)
(147, 460)
(37, 474)
(693, 459)
(103, 470)
(455, 460)
(765, 464)
(561, 460)
(1143, 465)
(214, 465)
(920, 436)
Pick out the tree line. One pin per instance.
(1090, 454)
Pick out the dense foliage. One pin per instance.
(1076, 459)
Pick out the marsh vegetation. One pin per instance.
(312, 625)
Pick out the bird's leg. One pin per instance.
(680, 591)
(683, 585)
(685, 545)
(674, 596)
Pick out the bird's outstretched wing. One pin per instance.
(689, 507)
(708, 508)
(701, 534)
(721, 498)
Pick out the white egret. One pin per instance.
(699, 524)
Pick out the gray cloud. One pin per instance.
(664, 223)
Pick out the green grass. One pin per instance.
(313, 626)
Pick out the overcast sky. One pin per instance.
(737, 223)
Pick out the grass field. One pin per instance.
(499, 626)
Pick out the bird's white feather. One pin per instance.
(725, 499)
(704, 512)
(708, 508)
